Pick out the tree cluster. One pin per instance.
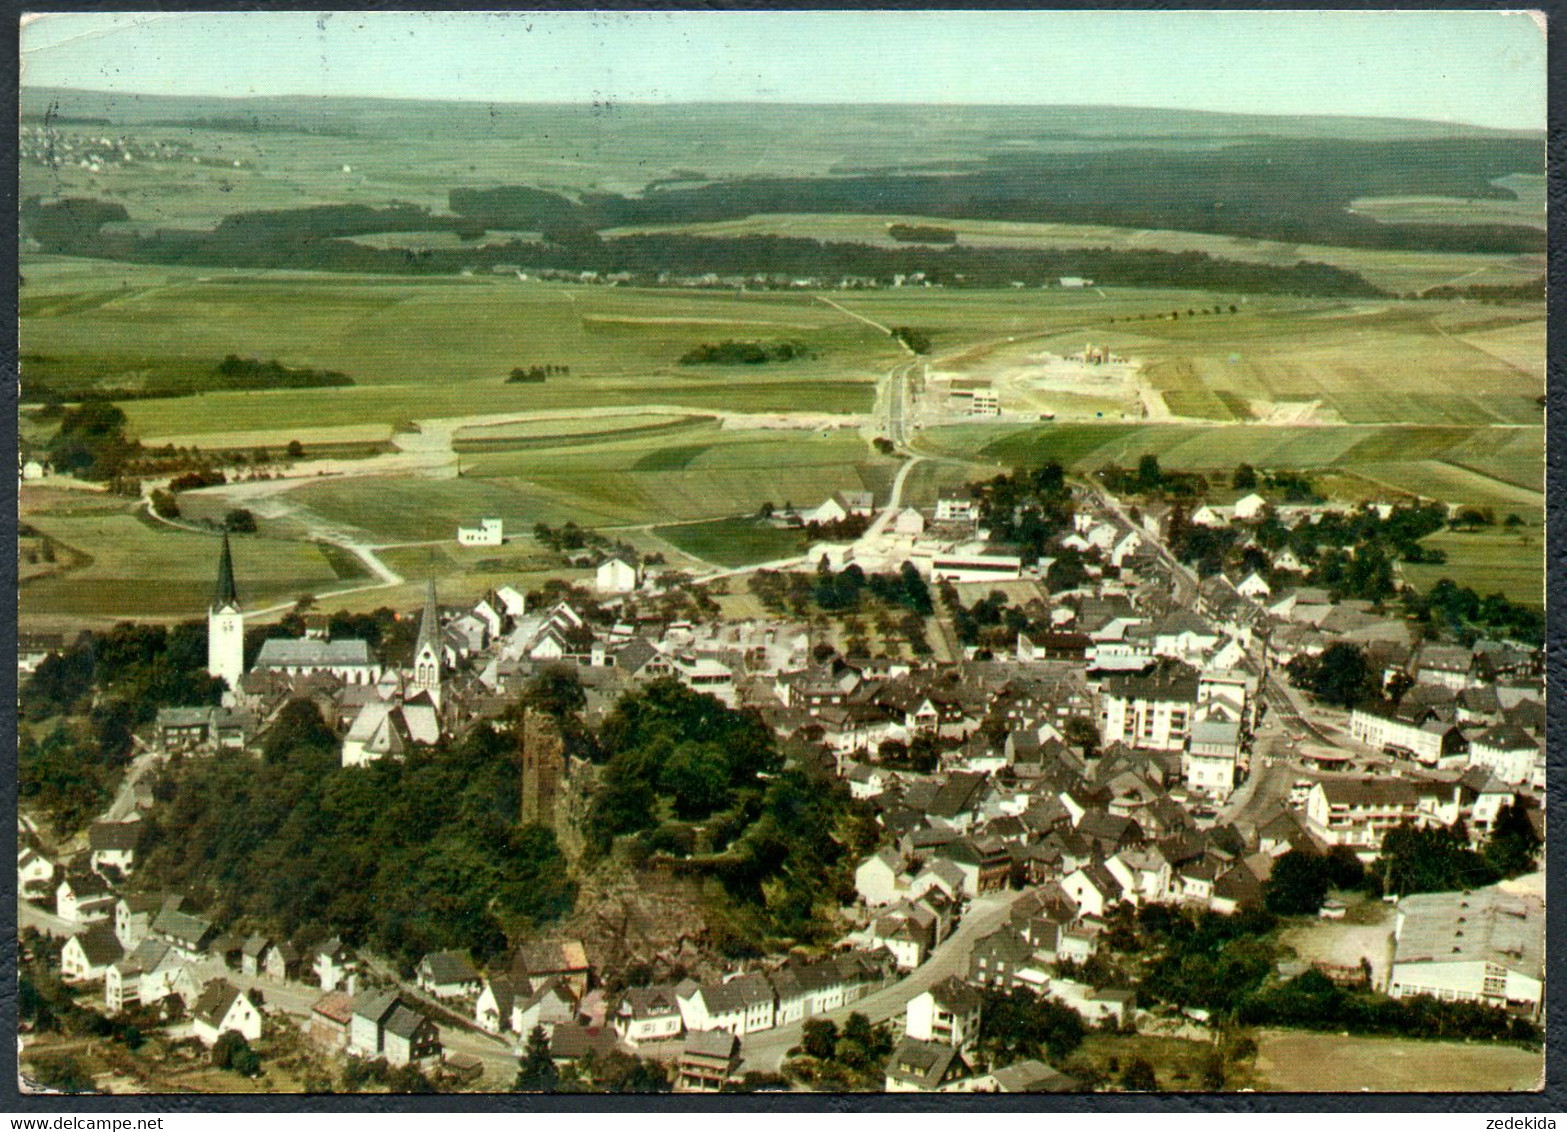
(536, 373)
(1312, 1001)
(732, 353)
(921, 234)
(405, 855)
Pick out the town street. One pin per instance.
(29, 915)
(764, 1051)
(295, 1000)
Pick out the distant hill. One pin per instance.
(987, 128)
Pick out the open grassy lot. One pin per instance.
(1295, 1061)
(582, 430)
(131, 567)
(1527, 208)
(733, 542)
(705, 472)
(1365, 932)
(1505, 560)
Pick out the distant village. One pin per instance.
(1138, 744)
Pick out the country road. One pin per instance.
(765, 1050)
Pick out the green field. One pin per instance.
(1509, 561)
(733, 542)
(420, 348)
(1421, 460)
(135, 568)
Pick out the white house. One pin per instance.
(908, 522)
(34, 872)
(83, 899)
(956, 505)
(447, 974)
(877, 879)
(648, 1014)
(221, 1008)
(741, 1004)
(1093, 888)
(948, 1013)
(1128, 545)
(1254, 585)
(617, 574)
(1210, 762)
(1249, 506)
(487, 533)
(113, 845)
(85, 957)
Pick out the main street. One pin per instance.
(764, 1051)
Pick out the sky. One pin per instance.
(1482, 68)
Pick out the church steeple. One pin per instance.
(226, 625)
(225, 597)
(427, 649)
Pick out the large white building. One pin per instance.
(1154, 711)
(1426, 739)
(1507, 751)
(1358, 812)
(948, 1013)
(1485, 946)
(489, 532)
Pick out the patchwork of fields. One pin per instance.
(1501, 467)
(1433, 399)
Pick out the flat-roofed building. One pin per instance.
(1485, 946)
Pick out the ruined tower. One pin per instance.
(543, 769)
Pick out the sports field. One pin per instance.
(1294, 1061)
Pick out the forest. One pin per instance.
(1296, 191)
